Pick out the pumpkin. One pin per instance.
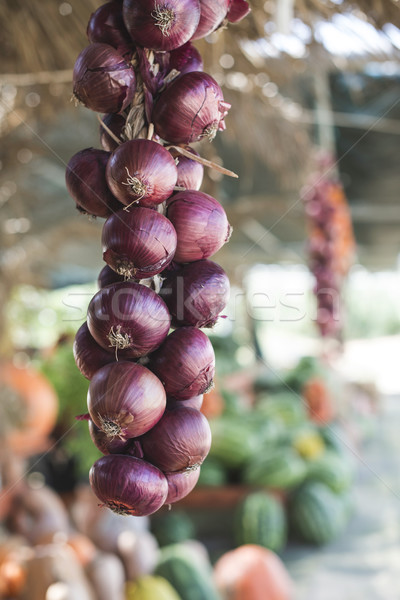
(213, 404)
(38, 405)
(252, 573)
(318, 401)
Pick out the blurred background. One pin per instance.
(305, 409)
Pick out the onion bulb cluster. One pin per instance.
(142, 72)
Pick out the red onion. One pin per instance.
(190, 172)
(185, 59)
(113, 445)
(128, 317)
(106, 25)
(89, 356)
(180, 441)
(196, 293)
(103, 80)
(201, 225)
(181, 484)
(107, 276)
(161, 24)
(128, 485)
(141, 171)
(138, 244)
(196, 402)
(238, 9)
(185, 363)
(86, 183)
(191, 108)
(211, 17)
(125, 400)
(116, 124)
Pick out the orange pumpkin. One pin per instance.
(213, 404)
(252, 573)
(39, 408)
(318, 400)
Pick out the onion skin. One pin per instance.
(190, 172)
(87, 185)
(181, 484)
(141, 21)
(108, 276)
(196, 293)
(185, 59)
(128, 485)
(179, 442)
(141, 171)
(125, 400)
(108, 445)
(191, 108)
(116, 123)
(196, 402)
(238, 10)
(212, 15)
(185, 363)
(201, 225)
(103, 80)
(128, 319)
(138, 244)
(106, 25)
(89, 356)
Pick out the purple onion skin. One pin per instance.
(128, 485)
(185, 59)
(195, 403)
(116, 124)
(86, 183)
(144, 23)
(190, 172)
(141, 171)
(125, 400)
(196, 294)
(108, 445)
(191, 108)
(108, 276)
(211, 17)
(106, 25)
(181, 484)
(179, 442)
(201, 225)
(103, 80)
(89, 356)
(138, 244)
(238, 10)
(128, 319)
(185, 363)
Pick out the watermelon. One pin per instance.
(281, 468)
(212, 473)
(332, 470)
(172, 527)
(284, 407)
(316, 514)
(260, 519)
(188, 576)
(233, 443)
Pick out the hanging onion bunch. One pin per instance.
(146, 389)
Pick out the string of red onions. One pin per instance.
(185, 363)
(143, 72)
(139, 244)
(196, 293)
(86, 183)
(125, 400)
(141, 171)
